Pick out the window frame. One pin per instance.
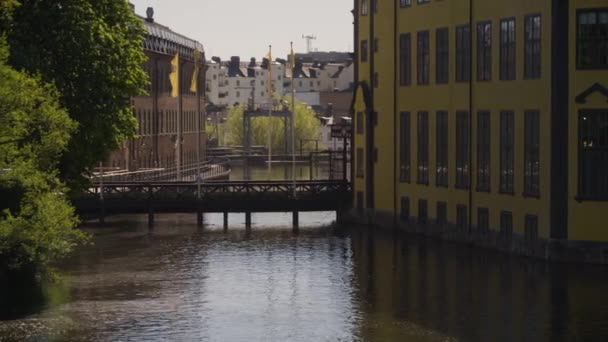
(360, 165)
(532, 153)
(484, 152)
(405, 3)
(582, 194)
(442, 149)
(463, 53)
(423, 57)
(422, 165)
(405, 143)
(507, 153)
(533, 49)
(405, 59)
(364, 7)
(364, 51)
(484, 51)
(442, 55)
(508, 51)
(579, 66)
(463, 160)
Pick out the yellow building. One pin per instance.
(485, 121)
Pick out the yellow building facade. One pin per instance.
(485, 121)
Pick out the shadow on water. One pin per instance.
(21, 294)
(474, 295)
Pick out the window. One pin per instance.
(238, 94)
(463, 53)
(405, 154)
(507, 49)
(532, 154)
(405, 208)
(592, 39)
(422, 211)
(442, 149)
(405, 3)
(532, 46)
(442, 213)
(364, 7)
(423, 57)
(483, 220)
(405, 59)
(507, 153)
(531, 231)
(506, 225)
(360, 126)
(376, 80)
(364, 51)
(484, 51)
(593, 155)
(462, 150)
(360, 171)
(443, 55)
(374, 6)
(483, 151)
(376, 46)
(461, 218)
(423, 1)
(423, 148)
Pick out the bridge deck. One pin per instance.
(186, 197)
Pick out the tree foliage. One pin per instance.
(36, 220)
(91, 50)
(307, 127)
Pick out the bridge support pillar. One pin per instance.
(150, 217)
(248, 220)
(225, 220)
(102, 212)
(296, 221)
(340, 216)
(199, 218)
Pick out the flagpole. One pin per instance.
(269, 109)
(198, 122)
(179, 119)
(293, 120)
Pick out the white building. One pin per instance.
(322, 77)
(234, 82)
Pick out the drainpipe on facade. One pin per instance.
(471, 26)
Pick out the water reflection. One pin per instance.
(324, 284)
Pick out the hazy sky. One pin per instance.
(245, 28)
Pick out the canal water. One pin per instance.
(182, 283)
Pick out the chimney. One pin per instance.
(150, 14)
(233, 67)
(217, 60)
(251, 67)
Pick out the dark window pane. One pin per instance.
(507, 153)
(483, 151)
(442, 149)
(463, 53)
(405, 154)
(507, 49)
(532, 154)
(442, 51)
(593, 155)
(484, 51)
(462, 150)
(592, 39)
(423, 148)
(405, 59)
(423, 59)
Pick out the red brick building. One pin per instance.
(156, 152)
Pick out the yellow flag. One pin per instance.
(174, 76)
(197, 68)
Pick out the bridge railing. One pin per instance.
(216, 189)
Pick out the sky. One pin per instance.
(245, 28)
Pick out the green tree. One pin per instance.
(37, 223)
(91, 50)
(307, 127)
